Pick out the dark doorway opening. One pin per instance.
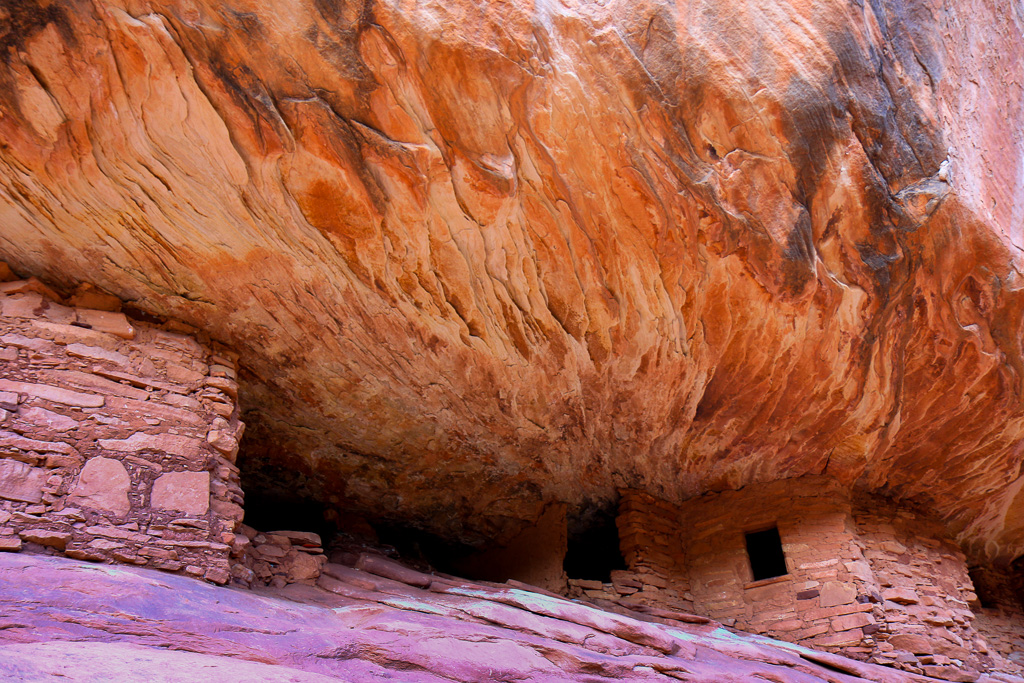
(277, 513)
(764, 548)
(421, 549)
(593, 546)
(982, 587)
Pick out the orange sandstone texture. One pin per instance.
(478, 256)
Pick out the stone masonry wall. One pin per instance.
(926, 625)
(865, 577)
(823, 600)
(651, 543)
(117, 438)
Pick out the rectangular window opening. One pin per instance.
(764, 548)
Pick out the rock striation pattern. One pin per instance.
(377, 621)
(117, 438)
(483, 256)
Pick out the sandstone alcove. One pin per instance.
(138, 459)
(423, 302)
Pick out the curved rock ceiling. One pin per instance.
(477, 256)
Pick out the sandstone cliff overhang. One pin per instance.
(478, 257)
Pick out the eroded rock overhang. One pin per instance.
(477, 258)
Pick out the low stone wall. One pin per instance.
(117, 438)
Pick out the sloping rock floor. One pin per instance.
(61, 618)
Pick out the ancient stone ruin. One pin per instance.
(811, 562)
(119, 444)
(808, 561)
(120, 439)
(505, 340)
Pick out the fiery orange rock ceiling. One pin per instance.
(477, 256)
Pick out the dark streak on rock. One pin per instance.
(340, 46)
(22, 19)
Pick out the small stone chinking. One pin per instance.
(118, 438)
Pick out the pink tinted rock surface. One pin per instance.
(61, 618)
(96, 661)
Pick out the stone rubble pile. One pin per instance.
(276, 558)
(118, 438)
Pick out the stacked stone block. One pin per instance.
(276, 558)
(117, 438)
(926, 592)
(651, 543)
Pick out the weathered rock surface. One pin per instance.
(85, 622)
(92, 661)
(482, 256)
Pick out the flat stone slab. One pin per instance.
(66, 618)
(52, 393)
(103, 485)
(21, 482)
(187, 492)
